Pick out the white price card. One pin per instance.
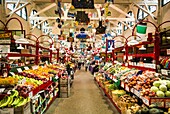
(12, 73)
(164, 72)
(122, 84)
(34, 67)
(132, 90)
(127, 88)
(136, 92)
(19, 69)
(145, 100)
(23, 81)
(2, 90)
(26, 68)
(30, 94)
(168, 51)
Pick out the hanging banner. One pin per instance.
(110, 44)
(5, 38)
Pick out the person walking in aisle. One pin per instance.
(79, 65)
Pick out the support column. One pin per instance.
(2, 14)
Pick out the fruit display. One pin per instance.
(152, 109)
(161, 88)
(39, 74)
(8, 81)
(13, 100)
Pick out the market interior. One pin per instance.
(84, 56)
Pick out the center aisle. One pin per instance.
(86, 98)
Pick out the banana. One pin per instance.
(22, 102)
(14, 93)
(8, 99)
(11, 101)
(16, 101)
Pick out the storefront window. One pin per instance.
(119, 31)
(141, 13)
(165, 2)
(22, 12)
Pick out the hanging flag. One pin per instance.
(110, 44)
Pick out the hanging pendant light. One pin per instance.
(21, 39)
(20, 47)
(133, 42)
(142, 48)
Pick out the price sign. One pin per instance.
(132, 90)
(26, 68)
(23, 81)
(164, 72)
(12, 73)
(2, 90)
(145, 100)
(168, 51)
(30, 94)
(167, 103)
(19, 69)
(126, 88)
(122, 84)
(115, 80)
(34, 67)
(158, 102)
(137, 93)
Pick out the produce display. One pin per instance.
(161, 88)
(145, 87)
(16, 90)
(8, 81)
(13, 100)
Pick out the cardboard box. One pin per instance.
(26, 109)
(7, 111)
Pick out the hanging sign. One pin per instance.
(110, 44)
(5, 38)
(168, 51)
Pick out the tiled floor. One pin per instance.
(86, 98)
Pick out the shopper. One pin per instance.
(68, 69)
(79, 65)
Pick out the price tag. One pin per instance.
(23, 81)
(2, 90)
(9, 92)
(115, 80)
(167, 103)
(168, 51)
(19, 69)
(13, 74)
(50, 78)
(158, 102)
(34, 67)
(122, 84)
(126, 88)
(30, 94)
(145, 100)
(126, 64)
(26, 68)
(132, 90)
(137, 93)
(164, 72)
